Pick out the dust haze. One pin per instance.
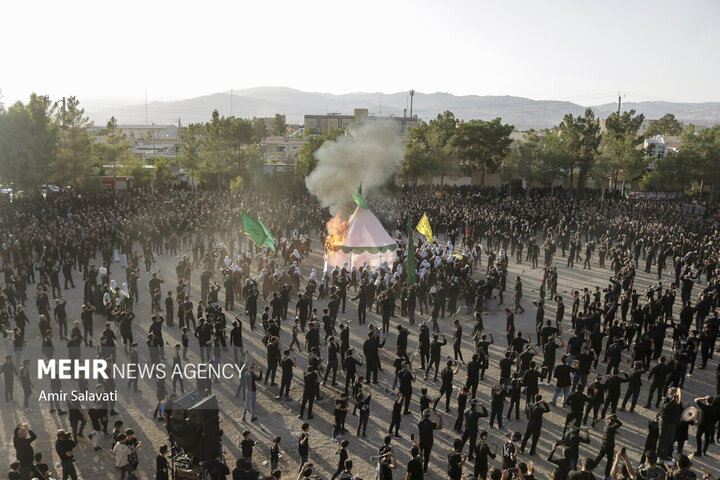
(370, 154)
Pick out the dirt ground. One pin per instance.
(279, 417)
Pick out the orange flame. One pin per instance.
(337, 230)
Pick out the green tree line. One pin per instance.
(576, 149)
(46, 142)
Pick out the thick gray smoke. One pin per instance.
(370, 154)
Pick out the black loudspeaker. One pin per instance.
(194, 426)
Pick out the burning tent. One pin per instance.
(357, 241)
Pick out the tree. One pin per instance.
(28, 143)
(439, 141)
(249, 162)
(622, 158)
(74, 159)
(161, 171)
(259, 129)
(191, 157)
(483, 145)
(216, 151)
(115, 151)
(135, 167)
(306, 161)
(532, 161)
(665, 125)
(580, 139)
(279, 127)
(700, 154)
(666, 174)
(417, 162)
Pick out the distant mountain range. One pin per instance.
(522, 112)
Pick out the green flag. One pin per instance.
(257, 232)
(411, 254)
(269, 240)
(359, 198)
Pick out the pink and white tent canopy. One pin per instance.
(366, 242)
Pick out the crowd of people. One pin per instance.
(109, 244)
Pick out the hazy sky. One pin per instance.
(574, 50)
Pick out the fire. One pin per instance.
(337, 230)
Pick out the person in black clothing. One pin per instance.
(343, 455)
(462, 398)
(24, 453)
(406, 377)
(350, 365)
(607, 444)
(563, 465)
(534, 425)
(310, 381)
(446, 388)
(456, 460)
(497, 403)
(333, 349)
(435, 351)
(162, 467)
(634, 385)
(9, 371)
(530, 382)
(473, 415)
(612, 389)
(286, 365)
(64, 446)
(426, 429)
(515, 392)
(576, 401)
(596, 394)
(572, 441)
(482, 452)
(706, 427)
(657, 377)
(396, 415)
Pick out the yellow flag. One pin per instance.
(423, 227)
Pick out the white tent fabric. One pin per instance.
(366, 242)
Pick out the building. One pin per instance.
(321, 124)
(147, 141)
(280, 153)
(661, 146)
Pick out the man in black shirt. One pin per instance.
(456, 460)
(657, 377)
(562, 374)
(576, 400)
(534, 425)
(634, 385)
(22, 441)
(446, 388)
(310, 381)
(435, 348)
(476, 412)
(497, 403)
(64, 446)
(563, 464)
(415, 465)
(286, 364)
(426, 429)
(607, 445)
(350, 365)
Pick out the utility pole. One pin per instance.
(619, 100)
(412, 94)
